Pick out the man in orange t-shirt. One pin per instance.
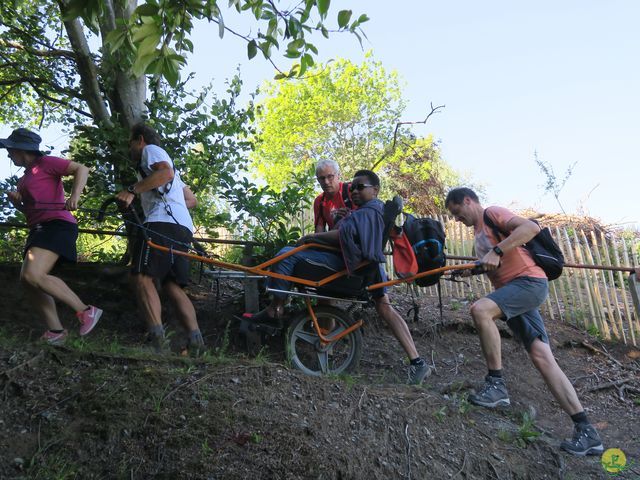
(334, 203)
(520, 288)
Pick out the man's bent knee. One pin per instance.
(484, 310)
(142, 282)
(30, 278)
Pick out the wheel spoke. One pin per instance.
(323, 360)
(310, 338)
(335, 332)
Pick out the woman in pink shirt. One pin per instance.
(53, 229)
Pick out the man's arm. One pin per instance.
(190, 199)
(318, 220)
(332, 237)
(80, 175)
(522, 230)
(16, 199)
(161, 175)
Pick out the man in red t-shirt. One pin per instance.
(520, 288)
(335, 200)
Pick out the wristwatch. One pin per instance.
(131, 189)
(498, 251)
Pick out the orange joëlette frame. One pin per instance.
(262, 268)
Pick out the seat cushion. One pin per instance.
(351, 286)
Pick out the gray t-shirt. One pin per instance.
(154, 204)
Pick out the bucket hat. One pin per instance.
(22, 139)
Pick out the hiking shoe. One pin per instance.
(417, 373)
(493, 393)
(196, 347)
(585, 441)
(53, 338)
(159, 344)
(88, 319)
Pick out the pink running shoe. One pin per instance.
(88, 319)
(53, 338)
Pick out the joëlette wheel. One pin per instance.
(305, 351)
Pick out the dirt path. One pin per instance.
(103, 409)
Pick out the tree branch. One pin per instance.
(38, 53)
(45, 96)
(395, 134)
(35, 80)
(8, 92)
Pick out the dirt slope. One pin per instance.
(102, 408)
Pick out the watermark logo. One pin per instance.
(614, 461)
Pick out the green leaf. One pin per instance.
(171, 72)
(252, 49)
(325, 32)
(220, 26)
(148, 45)
(265, 47)
(294, 27)
(188, 44)
(303, 66)
(343, 18)
(272, 40)
(115, 39)
(323, 7)
(146, 30)
(308, 59)
(273, 25)
(147, 10)
(363, 18)
(139, 67)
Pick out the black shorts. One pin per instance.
(58, 236)
(163, 265)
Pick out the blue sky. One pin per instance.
(559, 78)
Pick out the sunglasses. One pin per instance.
(328, 178)
(359, 186)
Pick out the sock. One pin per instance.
(195, 338)
(495, 373)
(417, 361)
(157, 330)
(580, 418)
(55, 331)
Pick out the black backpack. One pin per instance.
(544, 251)
(426, 236)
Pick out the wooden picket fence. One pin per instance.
(597, 301)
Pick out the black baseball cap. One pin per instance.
(22, 139)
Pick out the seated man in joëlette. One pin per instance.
(359, 236)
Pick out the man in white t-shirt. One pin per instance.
(168, 223)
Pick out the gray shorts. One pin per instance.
(519, 301)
